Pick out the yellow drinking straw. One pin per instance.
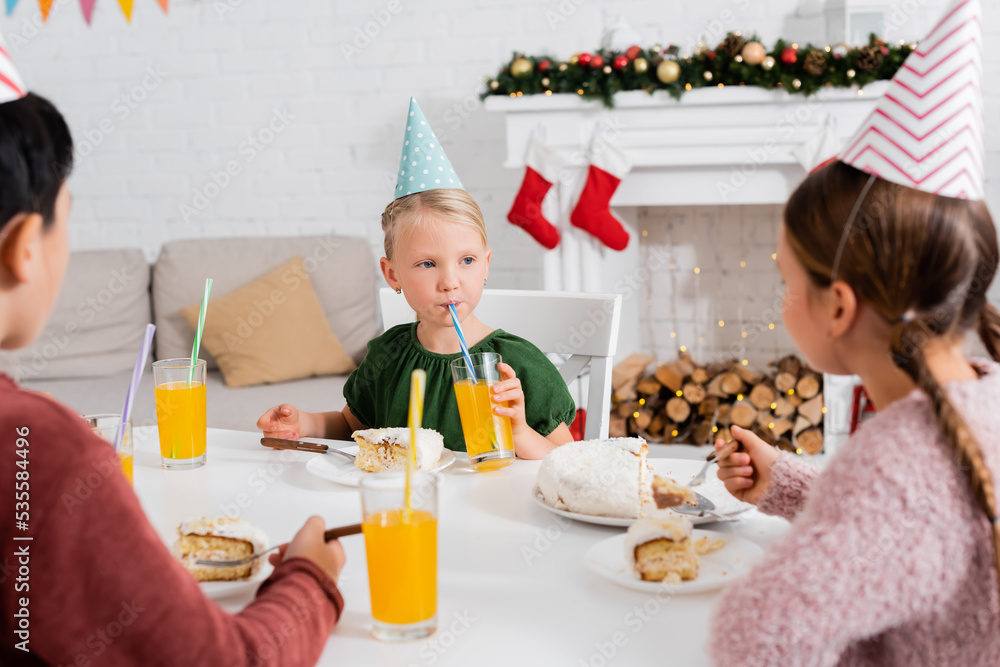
(418, 380)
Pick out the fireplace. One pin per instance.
(702, 205)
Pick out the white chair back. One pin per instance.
(582, 327)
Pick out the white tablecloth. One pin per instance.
(513, 586)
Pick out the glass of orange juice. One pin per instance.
(180, 412)
(488, 437)
(401, 546)
(107, 426)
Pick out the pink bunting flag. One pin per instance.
(88, 9)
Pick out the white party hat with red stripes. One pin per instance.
(927, 130)
(11, 86)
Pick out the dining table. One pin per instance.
(513, 585)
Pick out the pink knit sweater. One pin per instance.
(889, 562)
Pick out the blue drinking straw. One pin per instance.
(461, 341)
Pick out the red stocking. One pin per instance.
(542, 171)
(608, 165)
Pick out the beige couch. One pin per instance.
(85, 356)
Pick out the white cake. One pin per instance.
(222, 538)
(661, 549)
(597, 477)
(382, 449)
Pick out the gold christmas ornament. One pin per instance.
(641, 65)
(753, 53)
(574, 59)
(767, 63)
(708, 75)
(494, 85)
(520, 68)
(563, 67)
(668, 71)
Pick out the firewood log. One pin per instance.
(732, 384)
(801, 424)
(693, 393)
(810, 441)
(656, 426)
(807, 386)
(714, 387)
(670, 376)
(648, 386)
(790, 364)
(748, 375)
(724, 419)
(625, 409)
(783, 407)
(644, 419)
(784, 381)
(699, 375)
(708, 407)
(678, 410)
(762, 396)
(702, 434)
(629, 369)
(781, 427)
(626, 392)
(684, 365)
(743, 413)
(616, 427)
(812, 410)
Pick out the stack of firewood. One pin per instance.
(686, 403)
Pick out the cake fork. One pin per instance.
(332, 534)
(717, 454)
(278, 443)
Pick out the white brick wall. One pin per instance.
(230, 64)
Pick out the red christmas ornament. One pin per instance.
(620, 62)
(544, 65)
(584, 59)
(711, 55)
(789, 55)
(632, 53)
(597, 62)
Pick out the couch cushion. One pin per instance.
(98, 322)
(342, 271)
(268, 331)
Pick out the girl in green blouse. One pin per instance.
(436, 255)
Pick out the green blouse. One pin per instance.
(378, 391)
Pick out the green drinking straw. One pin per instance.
(197, 333)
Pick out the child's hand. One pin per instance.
(281, 422)
(747, 473)
(308, 543)
(509, 389)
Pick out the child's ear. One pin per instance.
(19, 245)
(843, 308)
(388, 272)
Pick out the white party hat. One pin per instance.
(11, 86)
(927, 130)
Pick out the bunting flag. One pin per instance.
(88, 9)
(46, 7)
(163, 5)
(11, 4)
(127, 8)
(927, 130)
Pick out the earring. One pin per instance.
(484, 282)
(399, 290)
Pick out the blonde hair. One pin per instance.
(409, 212)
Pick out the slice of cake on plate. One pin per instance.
(661, 549)
(381, 449)
(221, 538)
(597, 477)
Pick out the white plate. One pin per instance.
(681, 470)
(338, 469)
(218, 590)
(607, 558)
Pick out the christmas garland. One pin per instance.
(734, 62)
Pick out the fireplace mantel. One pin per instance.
(700, 150)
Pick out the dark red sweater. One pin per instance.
(96, 582)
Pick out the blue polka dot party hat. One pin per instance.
(423, 164)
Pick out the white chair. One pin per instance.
(582, 327)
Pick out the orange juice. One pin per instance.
(126, 461)
(484, 431)
(402, 565)
(181, 418)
